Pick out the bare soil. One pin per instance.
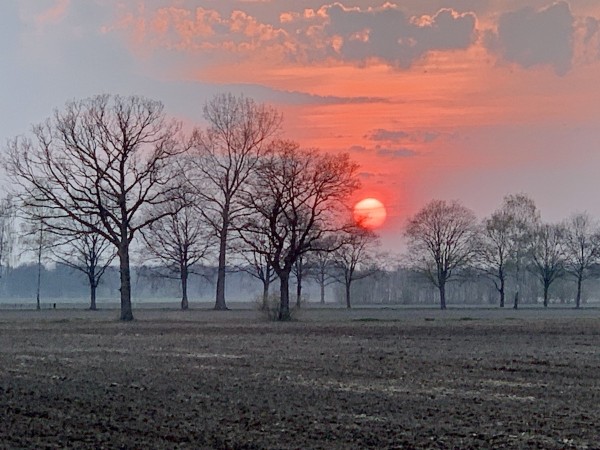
(331, 379)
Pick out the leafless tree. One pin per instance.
(179, 240)
(87, 252)
(36, 239)
(355, 258)
(256, 265)
(582, 248)
(494, 251)
(441, 239)
(321, 269)
(101, 160)
(523, 218)
(295, 201)
(227, 153)
(547, 255)
(7, 235)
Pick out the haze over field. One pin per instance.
(435, 99)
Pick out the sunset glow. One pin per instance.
(449, 100)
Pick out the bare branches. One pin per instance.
(99, 162)
(440, 238)
(295, 201)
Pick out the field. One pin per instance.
(367, 378)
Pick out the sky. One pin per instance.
(436, 99)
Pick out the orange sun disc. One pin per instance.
(369, 213)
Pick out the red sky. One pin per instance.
(465, 99)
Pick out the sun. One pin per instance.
(370, 213)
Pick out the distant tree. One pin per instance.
(7, 232)
(322, 269)
(37, 240)
(295, 201)
(582, 248)
(256, 265)
(354, 259)
(101, 160)
(87, 252)
(227, 153)
(547, 255)
(494, 251)
(441, 238)
(179, 240)
(523, 218)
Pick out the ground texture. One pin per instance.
(331, 379)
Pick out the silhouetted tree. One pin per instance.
(494, 251)
(7, 232)
(296, 200)
(179, 240)
(547, 255)
(322, 269)
(227, 153)
(523, 218)
(101, 160)
(87, 252)
(354, 259)
(441, 239)
(582, 248)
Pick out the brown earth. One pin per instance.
(332, 379)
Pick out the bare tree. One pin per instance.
(7, 235)
(494, 251)
(101, 160)
(256, 265)
(36, 239)
(227, 152)
(87, 252)
(179, 240)
(441, 239)
(523, 218)
(582, 248)
(354, 259)
(547, 255)
(321, 269)
(296, 200)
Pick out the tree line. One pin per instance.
(104, 171)
(108, 171)
(447, 242)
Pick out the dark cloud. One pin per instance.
(386, 33)
(530, 37)
(396, 153)
(399, 136)
(387, 135)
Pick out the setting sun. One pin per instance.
(370, 213)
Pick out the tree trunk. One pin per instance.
(322, 286)
(220, 304)
(348, 305)
(284, 302)
(442, 288)
(38, 305)
(265, 296)
(502, 294)
(125, 271)
(578, 297)
(546, 286)
(299, 290)
(518, 279)
(93, 287)
(184, 295)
